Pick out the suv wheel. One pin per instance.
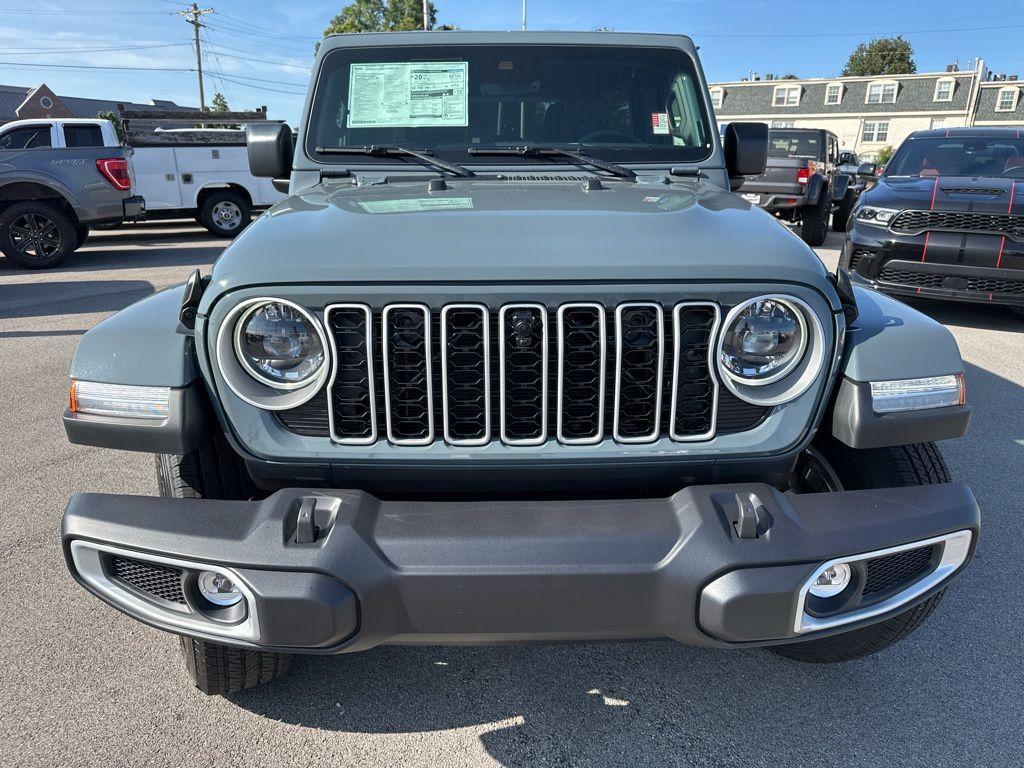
(215, 471)
(814, 229)
(36, 235)
(225, 213)
(841, 218)
(832, 466)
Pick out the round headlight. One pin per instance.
(279, 345)
(764, 341)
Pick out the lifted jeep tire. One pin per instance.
(814, 228)
(215, 471)
(918, 464)
(841, 218)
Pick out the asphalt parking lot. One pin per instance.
(83, 685)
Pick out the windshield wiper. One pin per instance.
(423, 157)
(575, 154)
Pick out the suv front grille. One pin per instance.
(917, 222)
(935, 280)
(579, 373)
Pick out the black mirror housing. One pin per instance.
(270, 149)
(867, 169)
(746, 148)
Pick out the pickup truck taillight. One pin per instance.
(115, 170)
(803, 175)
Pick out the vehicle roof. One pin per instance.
(37, 120)
(801, 130)
(470, 37)
(976, 133)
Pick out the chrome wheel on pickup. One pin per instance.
(36, 235)
(225, 213)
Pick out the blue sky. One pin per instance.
(259, 51)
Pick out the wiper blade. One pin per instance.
(423, 157)
(575, 154)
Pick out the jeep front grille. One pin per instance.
(522, 374)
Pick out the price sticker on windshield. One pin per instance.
(659, 123)
(409, 95)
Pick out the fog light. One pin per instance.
(218, 588)
(831, 581)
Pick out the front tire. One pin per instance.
(225, 213)
(36, 235)
(215, 471)
(841, 218)
(831, 462)
(814, 226)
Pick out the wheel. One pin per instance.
(81, 235)
(36, 235)
(215, 471)
(832, 466)
(225, 213)
(814, 228)
(841, 218)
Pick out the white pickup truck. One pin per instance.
(210, 182)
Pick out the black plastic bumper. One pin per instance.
(481, 572)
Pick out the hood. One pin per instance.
(980, 194)
(514, 231)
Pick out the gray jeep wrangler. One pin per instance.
(512, 363)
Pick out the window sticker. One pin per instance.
(659, 122)
(409, 95)
(417, 204)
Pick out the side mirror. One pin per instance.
(746, 151)
(270, 149)
(867, 169)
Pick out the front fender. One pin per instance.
(890, 341)
(839, 186)
(815, 187)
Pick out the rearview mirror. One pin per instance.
(270, 150)
(867, 169)
(746, 151)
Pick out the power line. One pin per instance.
(192, 16)
(854, 34)
(36, 51)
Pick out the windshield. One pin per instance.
(620, 104)
(793, 144)
(960, 156)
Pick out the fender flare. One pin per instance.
(55, 185)
(840, 184)
(815, 185)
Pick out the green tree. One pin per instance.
(219, 103)
(883, 155)
(381, 16)
(882, 56)
(116, 120)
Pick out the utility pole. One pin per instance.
(426, 15)
(192, 16)
(524, 15)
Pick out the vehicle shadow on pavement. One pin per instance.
(73, 297)
(987, 317)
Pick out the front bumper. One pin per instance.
(483, 572)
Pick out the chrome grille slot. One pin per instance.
(582, 344)
(351, 401)
(523, 373)
(408, 384)
(466, 374)
(694, 407)
(639, 371)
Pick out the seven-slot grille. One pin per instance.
(916, 222)
(525, 373)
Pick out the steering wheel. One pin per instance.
(610, 134)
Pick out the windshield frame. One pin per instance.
(709, 156)
(907, 146)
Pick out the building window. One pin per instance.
(783, 124)
(833, 93)
(786, 96)
(944, 89)
(46, 102)
(882, 92)
(1006, 101)
(875, 130)
(938, 122)
(717, 96)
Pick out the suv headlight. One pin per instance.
(880, 217)
(771, 349)
(763, 341)
(279, 344)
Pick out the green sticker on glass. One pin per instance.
(417, 204)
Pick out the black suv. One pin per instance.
(946, 220)
(804, 183)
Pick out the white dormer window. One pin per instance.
(833, 93)
(717, 96)
(944, 88)
(881, 92)
(1006, 100)
(786, 96)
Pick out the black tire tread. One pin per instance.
(69, 238)
(814, 227)
(841, 218)
(223, 670)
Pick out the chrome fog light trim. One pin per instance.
(88, 559)
(955, 549)
(917, 394)
(120, 400)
